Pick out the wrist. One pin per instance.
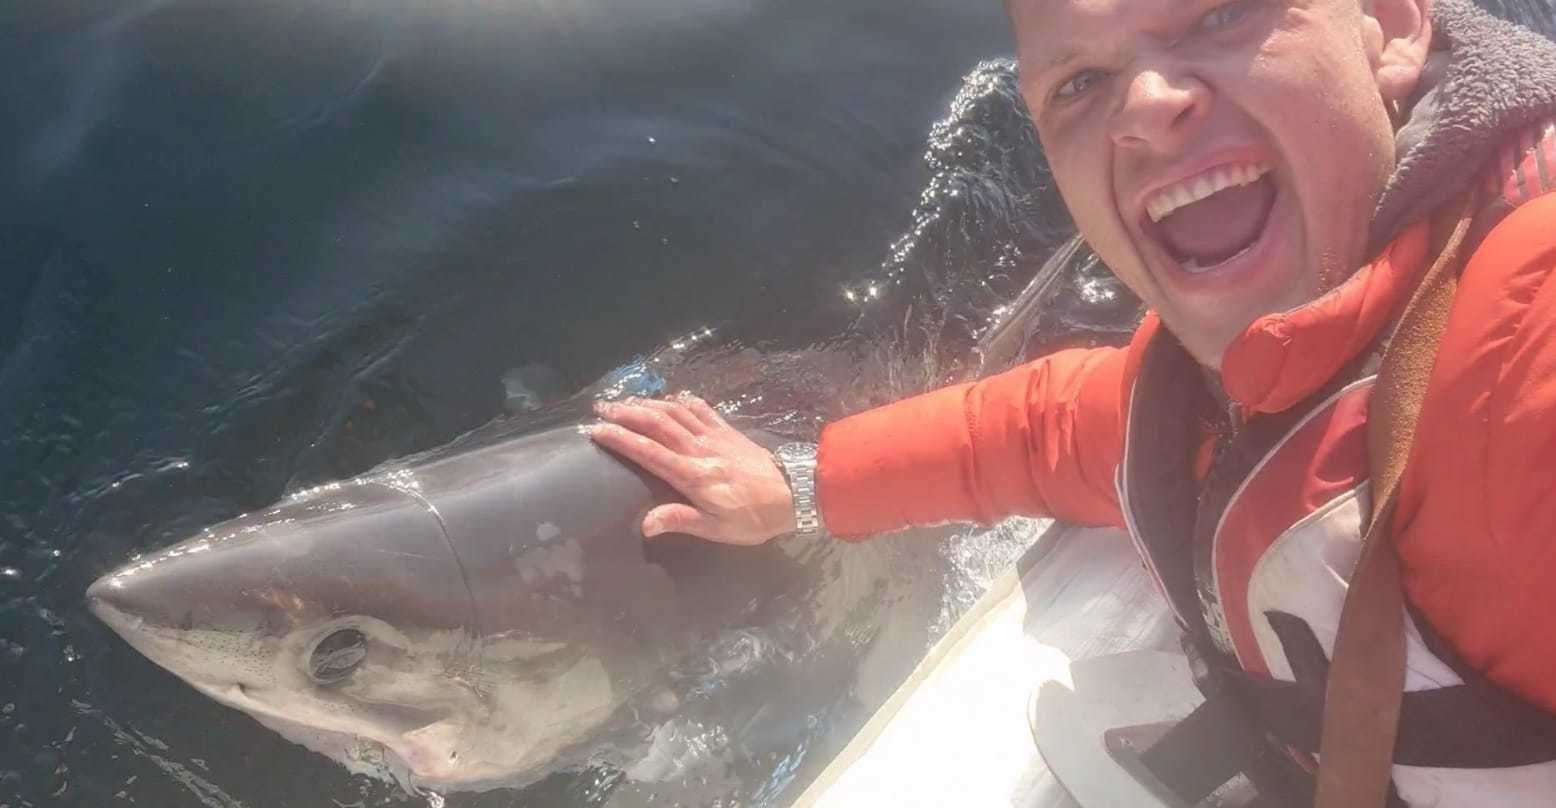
(797, 462)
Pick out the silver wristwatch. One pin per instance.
(798, 463)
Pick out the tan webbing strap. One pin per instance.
(1367, 675)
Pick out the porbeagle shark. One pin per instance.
(485, 614)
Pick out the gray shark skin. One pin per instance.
(487, 613)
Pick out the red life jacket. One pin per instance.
(1254, 558)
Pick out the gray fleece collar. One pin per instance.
(1487, 79)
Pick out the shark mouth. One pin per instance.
(357, 754)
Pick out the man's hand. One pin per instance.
(737, 493)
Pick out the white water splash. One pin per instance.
(975, 558)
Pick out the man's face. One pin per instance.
(1223, 156)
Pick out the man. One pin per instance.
(1275, 179)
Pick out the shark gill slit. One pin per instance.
(464, 575)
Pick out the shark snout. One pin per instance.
(162, 593)
(127, 605)
(107, 604)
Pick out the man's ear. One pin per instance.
(1398, 37)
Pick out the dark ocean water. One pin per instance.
(245, 247)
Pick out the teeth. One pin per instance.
(1182, 196)
(1164, 202)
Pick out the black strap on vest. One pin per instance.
(1469, 726)
(1222, 739)
(1455, 727)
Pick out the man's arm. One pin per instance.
(1042, 440)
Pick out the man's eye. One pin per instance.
(1077, 85)
(1224, 15)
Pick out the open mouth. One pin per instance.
(1209, 220)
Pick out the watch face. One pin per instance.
(794, 452)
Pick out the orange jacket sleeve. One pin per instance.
(1476, 520)
(1041, 440)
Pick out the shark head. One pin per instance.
(343, 620)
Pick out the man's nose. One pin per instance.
(1160, 110)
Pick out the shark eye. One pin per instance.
(337, 656)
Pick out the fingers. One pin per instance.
(650, 421)
(679, 471)
(679, 518)
(677, 411)
(703, 411)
